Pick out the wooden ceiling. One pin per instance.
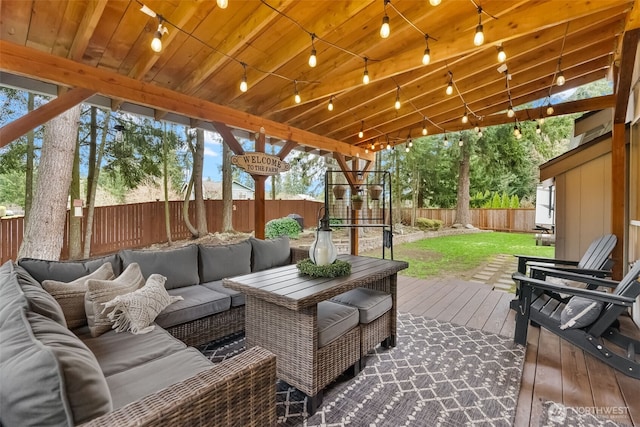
(199, 67)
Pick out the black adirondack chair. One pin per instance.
(540, 302)
(595, 261)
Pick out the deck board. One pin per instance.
(553, 368)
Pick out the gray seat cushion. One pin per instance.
(118, 351)
(179, 266)
(218, 262)
(198, 302)
(269, 253)
(237, 297)
(67, 271)
(334, 320)
(148, 378)
(370, 302)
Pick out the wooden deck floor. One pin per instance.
(554, 370)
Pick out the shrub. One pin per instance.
(515, 202)
(282, 227)
(427, 224)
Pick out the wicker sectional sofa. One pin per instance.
(51, 375)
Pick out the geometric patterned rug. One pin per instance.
(439, 374)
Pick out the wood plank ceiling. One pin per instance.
(206, 45)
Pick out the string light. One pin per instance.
(480, 133)
(296, 96)
(460, 142)
(330, 105)
(510, 112)
(560, 80)
(424, 127)
(449, 89)
(373, 146)
(541, 120)
(397, 104)
(502, 56)
(435, 2)
(426, 58)
(243, 84)
(478, 38)
(156, 43)
(361, 133)
(365, 75)
(313, 60)
(222, 4)
(549, 109)
(538, 129)
(465, 116)
(385, 29)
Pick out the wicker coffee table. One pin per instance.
(281, 316)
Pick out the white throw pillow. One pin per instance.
(137, 310)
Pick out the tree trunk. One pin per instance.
(28, 190)
(198, 166)
(92, 181)
(185, 209)
(165, 173)
(44, 232)
(75, 222)
(463, 214)
(227, 190)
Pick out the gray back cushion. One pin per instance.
(179, 266)
(67, 271)
(218, 262)
(48, 376)
(40, 301)
(270, 253)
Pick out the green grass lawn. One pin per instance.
(453, 255)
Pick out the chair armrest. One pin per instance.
(587, 278)
(523, 260)
(210, 396)
(569, 269)
(591, 294)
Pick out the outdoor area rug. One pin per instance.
(439, 374)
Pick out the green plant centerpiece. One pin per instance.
(356, 202)
(336, 269)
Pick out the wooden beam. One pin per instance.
(43, 114)
(618, 184)
(286, 149)
(43, 66)
(87, 26)
(625, 74)
(260, 215)
(228, 137)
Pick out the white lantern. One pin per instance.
(322, 250)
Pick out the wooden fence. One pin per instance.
(142, 224)
(520, 220)
(139, 225)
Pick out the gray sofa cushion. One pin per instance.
(117, 352)
(143, 380)
(48, 376)
(198, 302)
(218, 262)
(179, 266)
(67, 271)
(39, 300)
(70, 295)
(270, 253)
(370, 302)
(237, 297)
(334, 320)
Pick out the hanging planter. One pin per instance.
(338, 191)
(375, 192)
(356, 202)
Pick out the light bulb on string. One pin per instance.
(243, 84)
(406, 149)
(549, 110)
(476, 129)
(361, 133)
(330, 105)
(388, 146)
(424, 128)
(541, 120)
(365, 75)
(560, 80)
(538, 129)
(313, 60)
(478, 38)
(296, 96)
(465, 116)
(222, 4)
(460, 142)
(156, 43)
(510, 112)
(480, 133)
(426, 57)
(435, 2)
(385, 29)
(397, 103)
(502, 56)
(449, 89)
(373, 146)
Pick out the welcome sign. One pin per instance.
(260, 163)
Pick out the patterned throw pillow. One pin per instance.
(70, 295)
(101, 291)
(580, 312)
(137, 310)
